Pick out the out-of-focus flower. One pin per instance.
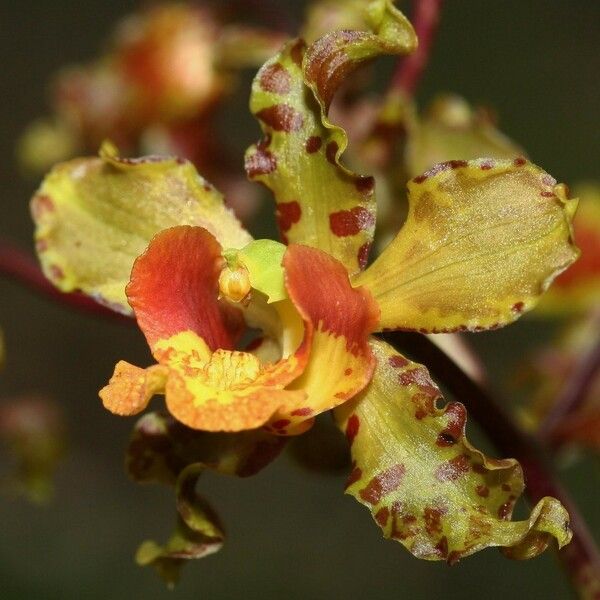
(548, 374)
(482, 240)
(32, 434)
(167, 69)
(575, 299)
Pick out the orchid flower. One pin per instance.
(482, 241)
(32, 432)
(573, 300)
(166, 69)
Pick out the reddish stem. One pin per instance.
(22, 268)
(580, 558)
(410, 69)
(575, 389)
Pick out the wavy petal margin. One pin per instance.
(425, 484)
(451, 130)
(577, 290)
(162, 450)
(482, 241)
(198, 532)
(94, 216)
(207, 384)
(161, 447)
(320, 203)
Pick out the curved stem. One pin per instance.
(17, 265)
(580, 558)
(410, 69)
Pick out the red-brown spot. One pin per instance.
(486, 165)
(382, 516)
(348, 372)
(351, 222)
(354, 476)
(302, 412)
(331, 152)
(352, 428)
(506, 487)
(313, 144)
(519, 161)
(365, 185)
(445, 439)
(261, 162)
(419, 377)
(297, 52)
(453, 557)
(383, 484)
(397, 361)
(547, 194)
(420, 178)
(275, 78)
(281, 424)
(457, 164)
(363, 255)
(453, 469)
(442, 547)
(433, 520)
(287, 213)
(518, 307)
(408, 522)
(483, 491)
(457, 415)
(420, 413)
(281, 117)
(479, 468)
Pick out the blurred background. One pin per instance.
(291, 533)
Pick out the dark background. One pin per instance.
(291, 533)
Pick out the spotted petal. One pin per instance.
(425, 484)
(341, 363)
(452, 130)
(208, 385)
(319, 202)
(161, 447)
(162, 450)
(95, 215)
(198, 532)
(483, 239)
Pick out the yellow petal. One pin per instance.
(483, 239)
(131, 388)
(94, 216)
(343, 317)
(320, 202)
(452, 130)
(425, 484)
(225, 390)
(577, 290)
